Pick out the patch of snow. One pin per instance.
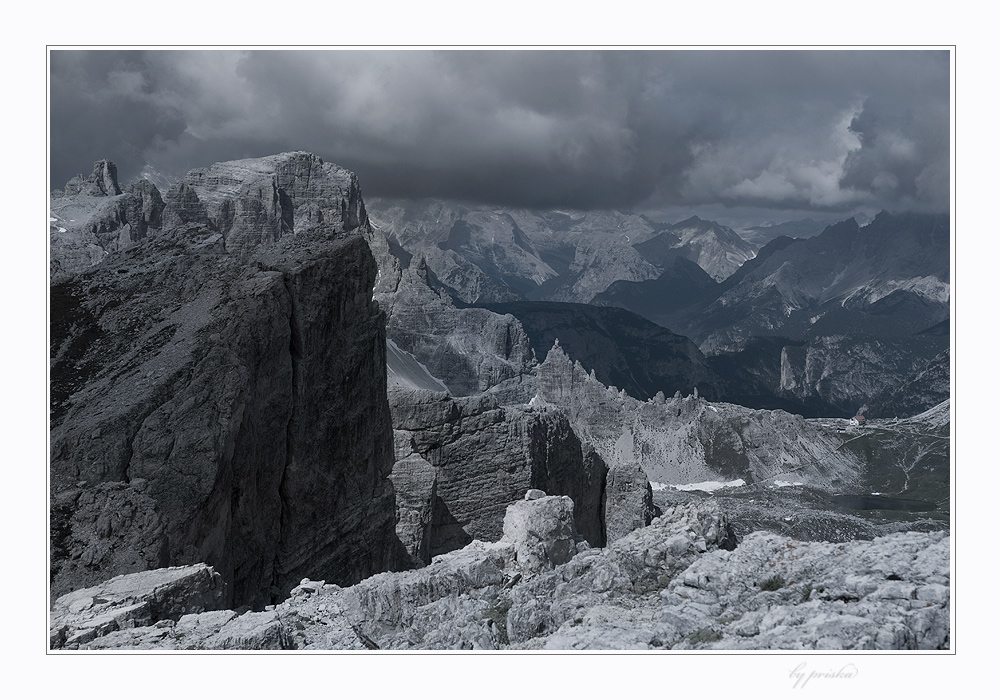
(709, 486)
(781, 484)
(61, 229)
(537, 402)
(713, 408)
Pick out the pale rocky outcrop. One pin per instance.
(646, 559)
(542, 530)
(102, 182)
(247, 390)
(415, 483)
(134, 600)
(257, 200)
(676, 584)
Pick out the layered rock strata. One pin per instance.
(461, 461)
(227, 375)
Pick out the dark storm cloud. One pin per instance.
(807, 130)
(104, 103)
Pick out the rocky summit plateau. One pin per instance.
(281, 420)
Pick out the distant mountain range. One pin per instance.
(847, 308)
(493, 254)
(850, 313)
(716, 249)
(802, 228)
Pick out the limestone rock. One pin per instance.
(259, 200)
(469, 349)
(111, 527)
(102, 182)
(261, 630)
(485, 457)
(182, 206)
(415, 483)
(628, 501)
(134, 600)
(676, 584)
(690, 440)
(889, 593)
(542, 530)
(487, 254)
(248, 390)
(93, 217)
(643, 561)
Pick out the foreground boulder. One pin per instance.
(134, 600)
(542, 530)
(680, 583)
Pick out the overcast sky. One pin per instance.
(770, 131)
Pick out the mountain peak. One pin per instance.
(691, 221)
(102, 182)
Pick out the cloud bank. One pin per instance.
(812, 130)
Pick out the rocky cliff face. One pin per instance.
(460, 462)
(226, 378)
(690, 440)
(679, 583)
(469, 349)
(259, 200)
(846, 372)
